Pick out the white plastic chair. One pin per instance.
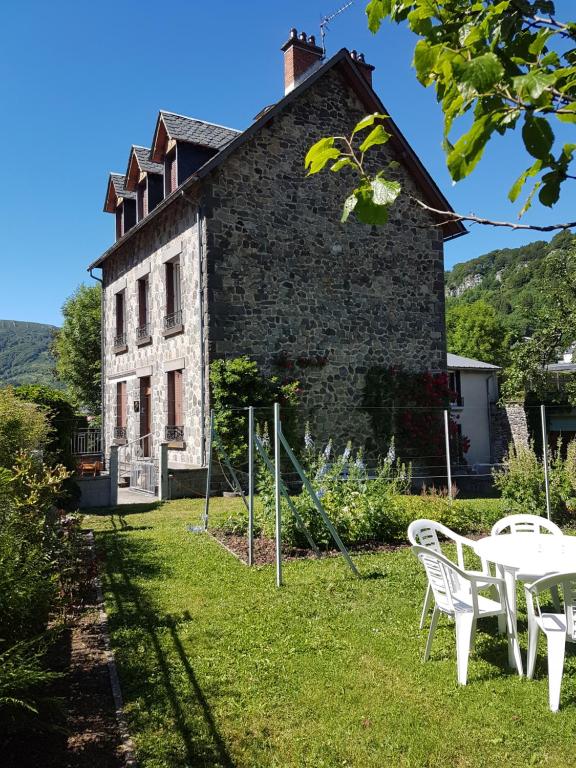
(558, 628)
(424, 533)
(456, 595)
(525, 524)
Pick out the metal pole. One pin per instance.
(447, 439)
(250, 485)
(209, 471)
(545, 458)
(277, 481)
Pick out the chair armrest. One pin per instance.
(485, 579)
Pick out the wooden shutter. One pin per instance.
(170, 180)
(119, 222)
(121, 404)
(143, 301)
(178, 414)
(169, 288)
(120, 313)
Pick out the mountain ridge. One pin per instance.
(25, 356)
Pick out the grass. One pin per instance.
(219, 668)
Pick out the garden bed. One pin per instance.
(264, 552)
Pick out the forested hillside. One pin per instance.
(25, 356)
(510, 280)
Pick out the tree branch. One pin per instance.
(453, 216)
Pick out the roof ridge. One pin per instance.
(199, 120)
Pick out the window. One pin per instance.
(173, 316)
(455, 385)
(120, 337)
(175, 426)
(170, 174)
(121, 411)
(143, 330)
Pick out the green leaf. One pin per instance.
(367, 211)
(319, 154)
(538, 136)
(482, 73)
(550, 192)
(469, 149)
(341, 163)
(367, 121)
(384, 192)
(521, 180)
(533, 84)
(376, 10)
(425, 60)
(377, 136)
(349, 205)
(528, 202)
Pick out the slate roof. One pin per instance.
(197, 131)
(467, 363)
(146, 165)
(118, 180)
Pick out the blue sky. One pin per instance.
(81, 82)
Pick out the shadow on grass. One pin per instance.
(187, 707)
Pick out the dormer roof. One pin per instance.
(139, 162)
(116, 192)
(180, 128)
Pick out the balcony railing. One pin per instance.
(457, 402)
(174, 434)
(143, 332)
(173, 320)
(120, 433)
(120, 340)
(87, 442)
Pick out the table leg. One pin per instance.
(514, 656)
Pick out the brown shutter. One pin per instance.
(171, 399)
(121, 404)
(169, 288)
(119, 313)
(142, 302)
(178, 413)
(119, 223)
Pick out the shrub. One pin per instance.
(522, 485)
(235, 384)
(24, 426)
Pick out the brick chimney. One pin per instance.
(301, 57)
(365, 69)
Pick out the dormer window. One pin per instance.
(146, 180)
(122, 203)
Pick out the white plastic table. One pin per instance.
(527, 557)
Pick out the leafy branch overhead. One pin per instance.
(505, 64)
(373, 196)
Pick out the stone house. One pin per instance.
(225, 248)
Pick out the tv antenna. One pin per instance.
(325, 22)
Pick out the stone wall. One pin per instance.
(174, 231)
(508, 425)
(284, 275)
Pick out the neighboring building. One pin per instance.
(226, 248)
(475, 385)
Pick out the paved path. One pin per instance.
(126, 496)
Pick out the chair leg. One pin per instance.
(533, 632)
(556, 647)
(431, 631)
(464, 628)
(426, 606)
(501, 623)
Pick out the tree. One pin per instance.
(556, 324)
(23, 427)
(77, 348)
(62, 417)
(498, 64)
(475, 330)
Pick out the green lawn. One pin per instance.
(219, 668)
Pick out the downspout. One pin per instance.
(199, 226)
(102, 396)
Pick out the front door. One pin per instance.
(146, 414)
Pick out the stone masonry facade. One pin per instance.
(267, 268)
(284, 275)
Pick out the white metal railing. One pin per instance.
(87, 442)
(136, 450)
